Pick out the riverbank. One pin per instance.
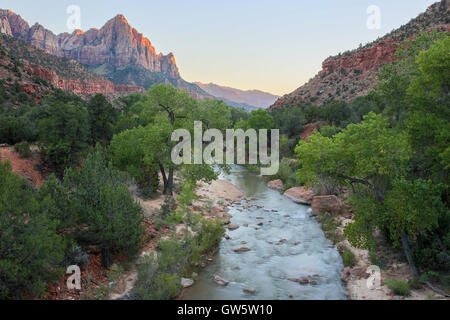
(360, 277)
(274, 250)
(212, 202)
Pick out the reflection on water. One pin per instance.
(289, 244)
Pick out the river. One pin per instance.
(289, 244)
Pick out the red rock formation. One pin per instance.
(116, 43)
(300, 195)
(326, 204)
(353, 74)
(81, 86)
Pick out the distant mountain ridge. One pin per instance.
(116, 51)
(248, 99)
(352, 74)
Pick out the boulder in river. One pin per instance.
(326, 204)
(220, 281)
(249, 291)
(275, 184)
(241, 249)
(233, 226)
(303, 281)
(186, 283)
(300, 195)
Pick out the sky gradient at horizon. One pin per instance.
(274, 46)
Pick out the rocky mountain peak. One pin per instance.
(116, 44)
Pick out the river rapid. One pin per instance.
(287, 244)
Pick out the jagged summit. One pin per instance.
(116, 44)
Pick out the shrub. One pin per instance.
(154, 283)
(398, 286)
(102, 117)
(64, 135)
(128, 154)
(95, 206)
(348, 257)
(30, 248)
(23, 149)
(14, 129)
(105, 206)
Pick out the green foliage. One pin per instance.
(398, 286)
(338, 113)
(111, 216)
(260, 119)
(64, 133)
(23, 149)
(348, 257)
(146, 148)
(127, 152)
(329, 131)
(102, 117)
(289, 121)
(368, 149)
(154, 283)
(159, 274)
(412, 207)
(395, 163)
(64, 212)
(14, 129)
(94, 206)
(30, 248)
(286, 173)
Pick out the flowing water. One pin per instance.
(283, 247)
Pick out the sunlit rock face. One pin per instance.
(116, 44)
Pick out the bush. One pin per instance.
(348, 257)
(128, 154)
(210, 234)
(64, 135)
(30, 248)
(286, 174)
(23, 149)
(102, 117)
(14, 129)
(95, 206)
(154, 283)
(398, 286)
(112, 217)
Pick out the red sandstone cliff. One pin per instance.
(82, 86)
(31, 65)
(353, 74)
(116, 43)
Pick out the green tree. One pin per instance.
(30, 248)
(106, 212)
(64, 133)
(260, 119)
(128, 154)
(102, 117)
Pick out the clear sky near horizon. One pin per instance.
(270, 45)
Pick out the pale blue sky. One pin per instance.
(271, 45)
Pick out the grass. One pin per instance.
(398, 286)
(348, 257)
(329, 226)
